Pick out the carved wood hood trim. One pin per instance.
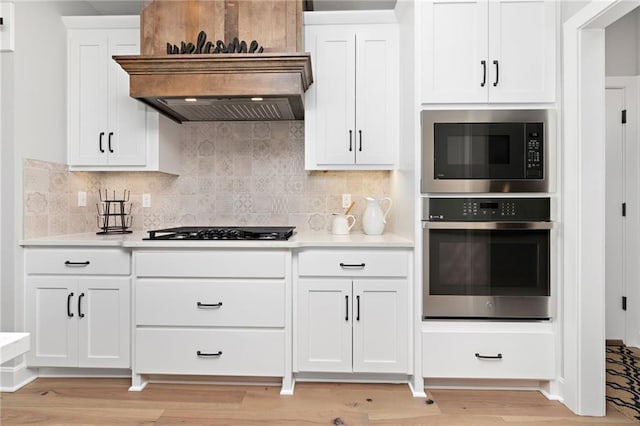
(295, 63)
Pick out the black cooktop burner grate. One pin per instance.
(274, 233)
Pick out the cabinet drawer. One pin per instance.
(243, 352)
(86, 261)
(243, 303)
(357, 263)
(522, 355)
(212, 263)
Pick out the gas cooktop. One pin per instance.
(280, 233)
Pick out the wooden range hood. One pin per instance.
(221, 86)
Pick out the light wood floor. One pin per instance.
(107, 401)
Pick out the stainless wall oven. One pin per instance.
(485, 151)
(486, 258)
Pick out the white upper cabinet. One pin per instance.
(477, 51)
(107, 129)
(351, 109)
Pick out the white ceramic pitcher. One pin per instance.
(374, 219)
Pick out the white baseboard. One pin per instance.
(417, 393)
(13, 378)
(84, 372)
(485, 384)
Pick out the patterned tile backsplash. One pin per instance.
(232, 173)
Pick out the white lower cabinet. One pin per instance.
(489, 351)
(77, 319)
(211, 312)
(349, 318)
(242, 352)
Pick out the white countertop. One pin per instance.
(298, 240)
(13, 345)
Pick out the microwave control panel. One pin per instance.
(488, 209)
(534, 134)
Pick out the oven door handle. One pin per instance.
(500, 226)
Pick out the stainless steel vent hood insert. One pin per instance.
(214, 87)
(205, 109)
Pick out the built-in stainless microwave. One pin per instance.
(485, 151)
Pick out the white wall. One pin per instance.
(622, 46)
(569, 8)
(8, 295)
(33, 117)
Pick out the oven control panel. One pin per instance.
(534, 155)
(487, 209)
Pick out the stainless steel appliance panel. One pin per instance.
(495, 178)
(486, 258)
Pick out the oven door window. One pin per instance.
(489, 263)
(479, 151)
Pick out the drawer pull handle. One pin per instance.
(346, 303)
(209, 305)
(352, 265)
(100, 142)
(69, 313)
(499, 356)
(80, 314)
(70, 263)
(204, 354)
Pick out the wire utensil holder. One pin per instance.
(114, 214)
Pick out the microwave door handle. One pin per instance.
(505, 226)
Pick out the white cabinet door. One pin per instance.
(454, 51)
(78, 322)
(380, 326)
(352, 113)
(522, 50)
(335, 93)
(107, 129)
(104, 322)
(376, 127)
(127, 133)
(324, 325)
(88, 97)
(477, 51)
(51, 318)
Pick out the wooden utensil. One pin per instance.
(349, 208)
